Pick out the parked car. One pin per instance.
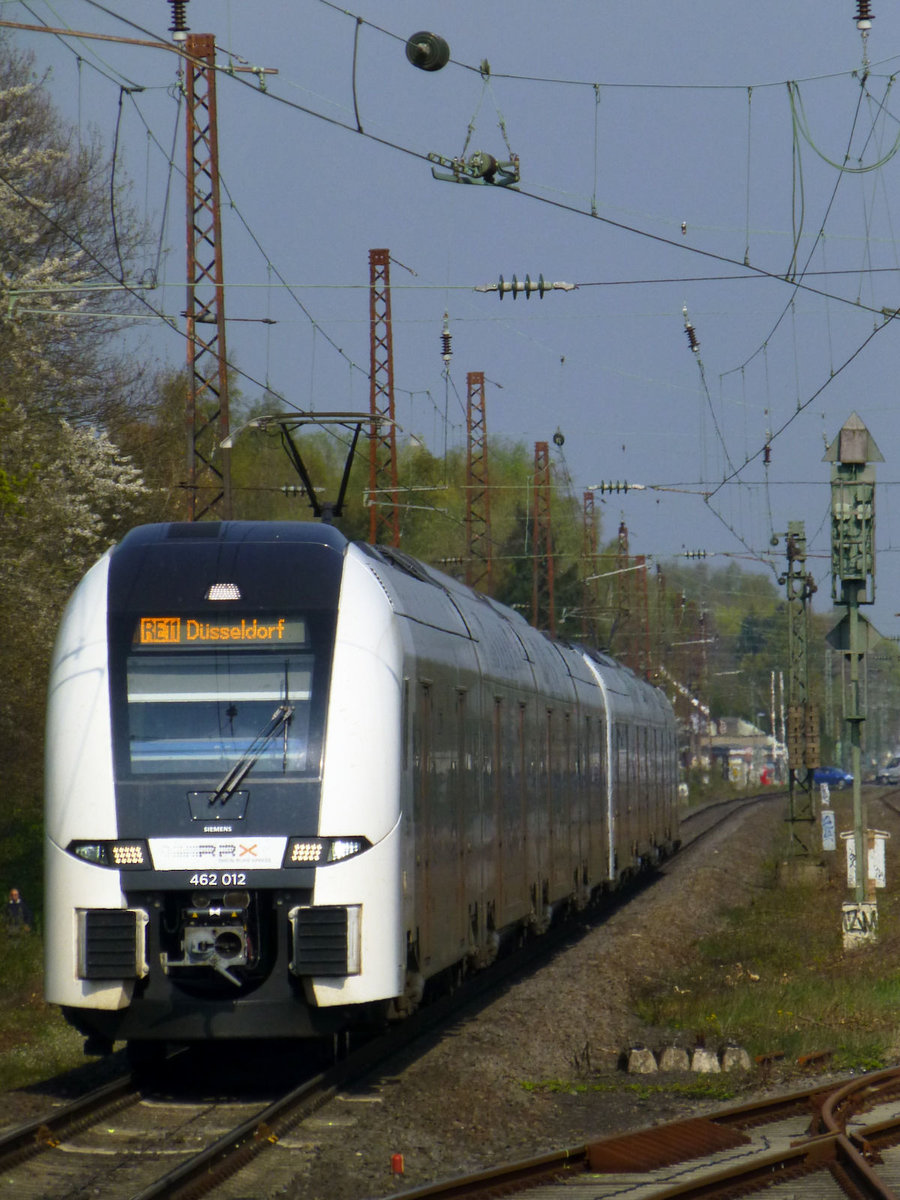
(835, 777)
(890, 773)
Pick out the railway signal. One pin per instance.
(852, 454)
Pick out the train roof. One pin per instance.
(309, 532)
(315, 533)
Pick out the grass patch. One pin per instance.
(701, 1087)
(776, 980)
(35, 1040)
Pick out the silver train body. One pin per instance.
(291, 779)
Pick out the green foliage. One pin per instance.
(76, 497)
(702, 1087)
(432, 500)
(747, 628)
(774, 978)
(35, 1041)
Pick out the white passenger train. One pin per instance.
(291, 779)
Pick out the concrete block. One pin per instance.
(704, 1061)
(641, 1061)
(674, 1058)
(735, 1058)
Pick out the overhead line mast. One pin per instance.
(543, 601)
(479, 552)
(207, 402)
(384, 525)
(207, 415)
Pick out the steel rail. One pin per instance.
(845, 1156)
(45, 1132)
(199, 1173)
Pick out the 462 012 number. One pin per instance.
(218, 879)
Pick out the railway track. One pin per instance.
(698, 823)
(139, 1140)
(835, 1141)
(162, 1137)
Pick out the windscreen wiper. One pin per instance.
(245, 763)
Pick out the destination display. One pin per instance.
(174, 632)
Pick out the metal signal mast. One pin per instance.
(384, 525)
(209, 483)
(479, 556)
(590, 599)
(543, 606)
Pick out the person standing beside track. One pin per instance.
(18, 914)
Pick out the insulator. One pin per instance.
(427, 51)
(864, 16)
(689, 330)
(767, 454)
(529, 287)
(179, 28)
(446, 351)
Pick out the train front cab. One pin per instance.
(179, 908)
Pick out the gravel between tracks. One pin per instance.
(460, 1103)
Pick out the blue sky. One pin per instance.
(665, 164)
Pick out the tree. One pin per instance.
(68, 495)
(64, 228)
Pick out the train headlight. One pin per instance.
(315, 851)
(123, 855)
(342, 848)
(301, 852)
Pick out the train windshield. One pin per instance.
(199, 713)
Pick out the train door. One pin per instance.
(599, 806)
(423, 801)
(641, 789)
(477, 825)
(506, 833)
(534, 752)
(549, 802)
(564, 794)
(622, 799)
(584, 817)
(451, 819)
(525, 793)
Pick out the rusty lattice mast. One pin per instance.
(209, 467)
(543, 604)
(479, 556)
(590, 600)
(384, 524)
